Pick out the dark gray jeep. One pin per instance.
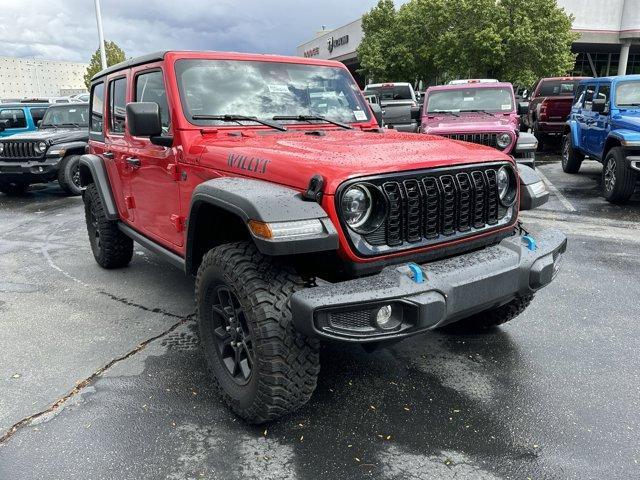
(50, 153)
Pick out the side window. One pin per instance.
(604, 93)
(588, 96)
(150, 88)
(578, 99)
(14, 117)
(117, 105)
(37, 114)
(97, 107)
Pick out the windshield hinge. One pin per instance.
(314, 190)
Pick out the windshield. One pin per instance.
(471, 99)
(391, 92)
(67, 116)
(557, 88)
(267, 89)
(628, 94)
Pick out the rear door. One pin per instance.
(599, 128)
(154, 181)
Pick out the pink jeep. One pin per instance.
(483, 113)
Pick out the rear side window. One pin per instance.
(150, 88)
(13, 117)
(97, 107)
(117, 105)
(391, 92)
(557, 88)
(579, 97)
(37, 114)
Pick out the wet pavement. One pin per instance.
(101, 377)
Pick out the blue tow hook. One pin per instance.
(416, 273)
(531, 243)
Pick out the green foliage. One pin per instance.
(431, 40)
(114, 55)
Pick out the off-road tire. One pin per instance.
(13, 189)
(489, 319)
(619, 187)
(285, 363)
(571, 158)
(69, 174)
(111, 248)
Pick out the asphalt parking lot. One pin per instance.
(101, 377)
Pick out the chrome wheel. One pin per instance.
(610, 175)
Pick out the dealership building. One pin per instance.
(609, 42)
(33, 78)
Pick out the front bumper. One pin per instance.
(30, 171)
(453, 289)
(634, 162)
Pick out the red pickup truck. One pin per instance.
(549, 106)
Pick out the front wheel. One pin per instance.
(571, 159)
(489, 319)
(618, 180)
(69, 174)
(262, 367)
(13, 189)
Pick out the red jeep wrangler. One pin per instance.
(269, 179)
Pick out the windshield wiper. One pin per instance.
(69, 124)
(240, 118)
(635, 104)
(445, 111)
(309, 118)
(479, 111)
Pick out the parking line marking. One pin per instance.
(552, 188)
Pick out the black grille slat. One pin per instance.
(431, 208)
(480, 197)
(465, 199)
(19, 150)
(488, 139)
(394, 217)
(492, 197)
(414, 210)
(448, 205)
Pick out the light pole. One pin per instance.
(103, 54)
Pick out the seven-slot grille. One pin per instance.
(488, 139)
(432, 207)
(19, 150)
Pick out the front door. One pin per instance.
(587, 116)
(599, 129)
(154, 182)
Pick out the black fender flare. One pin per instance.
(71, 147)
(251, 199)
(533, 190)
(92, 170)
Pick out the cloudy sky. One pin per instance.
(66, 29)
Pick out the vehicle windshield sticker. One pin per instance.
(360, 115)
(278, 88)
(468, 99)
(506, 107)
(249, 164)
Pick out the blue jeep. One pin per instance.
(605, 125)
(20, 117)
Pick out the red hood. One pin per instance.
(292, 158)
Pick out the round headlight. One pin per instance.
(507, 186)
(41, 147)
(504, 140)
(357, 204)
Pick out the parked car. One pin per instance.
(396, 101)
(605, 125)
(50, 153)
(479, 112)
(80, 97)
(549, 106)
(20, 117)
(301, 227)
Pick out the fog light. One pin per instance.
(384, 316)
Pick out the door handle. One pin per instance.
(108, 155)
(133, 162)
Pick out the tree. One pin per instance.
(512, 40)
(114, 55)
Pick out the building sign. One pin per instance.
(312, 52)
(336, 42)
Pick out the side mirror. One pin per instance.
(143, 120)
(599, 105)
(377, 113)
(416, 113)
(523, 108)
(38, 123)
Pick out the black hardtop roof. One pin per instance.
(132, 62)
(25, 104)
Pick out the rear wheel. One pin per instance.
(13, 188)
(69, 174)
(262, 367)
(489, 319)
(571, 159)
(618, 180)
(111, 248)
